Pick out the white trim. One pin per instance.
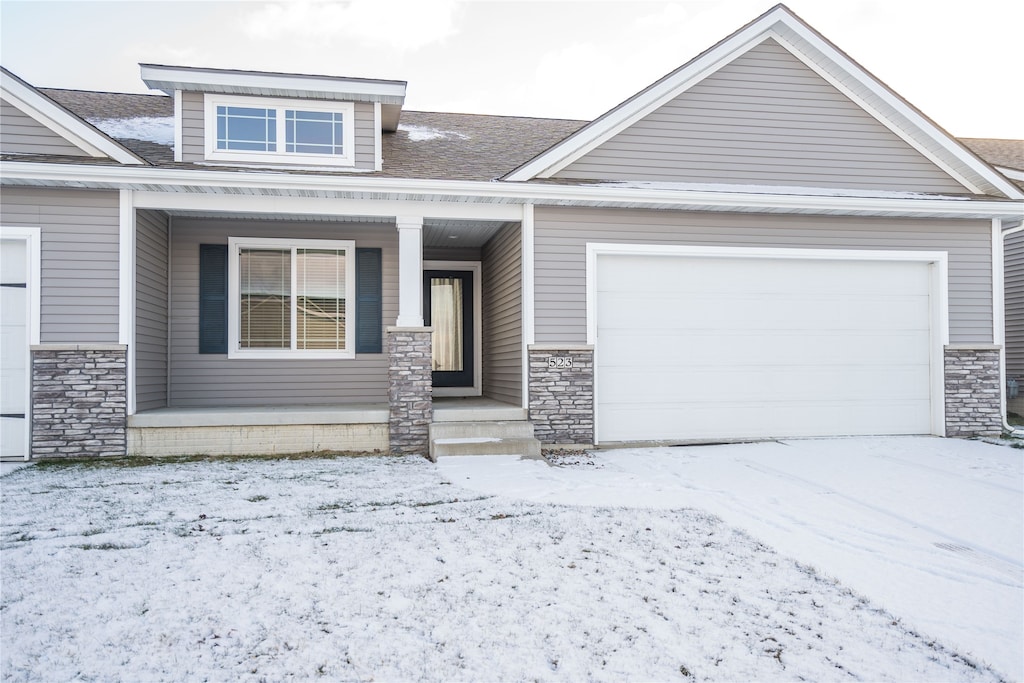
(73, 129)
(467, 192)
(529, 294)
(33, 262)
(1013, 173)
(179, 134)
(161, 77)
(378, 138)
(126, 291)
(999, 309)
(474, 267)
(212, 153)
(900, 117)
(939, 299)
(234, 298)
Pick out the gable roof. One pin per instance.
(828, 61)
(62, 121)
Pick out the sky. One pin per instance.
(955, 60)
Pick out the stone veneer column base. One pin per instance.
(410, 389)
(561, 400)
(972, 391)
(79, 400)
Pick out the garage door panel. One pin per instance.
(754, 420)
(768, 385)
(690, 347)
(760, 347)
(763, 312)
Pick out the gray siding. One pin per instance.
(765, 118)
(193, 121)
(79, 261)
(214, 380)
(22, 134)
(560, 238)
(150, 310)
(1014, 263)
(502, 309)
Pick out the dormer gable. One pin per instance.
(253, 118)
(32, 124)
(772, 99)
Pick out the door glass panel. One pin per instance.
(446, 319)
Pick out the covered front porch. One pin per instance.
(380, 383)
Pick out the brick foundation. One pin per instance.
(79, 401)
(562, 395)
(410, 392)
(972, 392)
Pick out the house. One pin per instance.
(766, 242)
(1008, 158)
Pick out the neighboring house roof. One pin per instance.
(62, 121)
(850, 78)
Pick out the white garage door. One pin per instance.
(692, 347)
(13, 348)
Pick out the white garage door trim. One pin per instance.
(32, 238)
(939, 318)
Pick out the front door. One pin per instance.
(448, 308)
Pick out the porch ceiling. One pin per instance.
(436, 232)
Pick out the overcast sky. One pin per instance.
(957, 60)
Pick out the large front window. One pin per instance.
(285, 131)
(290, 298)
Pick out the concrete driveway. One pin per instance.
(928, 528)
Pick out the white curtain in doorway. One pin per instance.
(446, 319)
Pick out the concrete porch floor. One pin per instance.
(470, 409)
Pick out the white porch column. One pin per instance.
(410, 271)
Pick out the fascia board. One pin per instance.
(450, 191)
(169, 78)
(1013, 173)
(76, 131)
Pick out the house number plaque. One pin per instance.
(560, 362)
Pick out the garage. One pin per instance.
(718, 343)
(14, 341)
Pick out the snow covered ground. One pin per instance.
(396, 569)
(930, 529)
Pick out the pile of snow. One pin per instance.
(158, 129)
(425, 133)
(383, 569)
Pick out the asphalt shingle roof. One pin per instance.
(1005, 153)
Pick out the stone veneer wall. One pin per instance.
(972, 391)
(79, 400)
(562, 396)
(410, 390)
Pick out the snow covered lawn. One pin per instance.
(392, 569)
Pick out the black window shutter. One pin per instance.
(213, 298)
(369, 305)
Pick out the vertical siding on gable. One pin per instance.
(79, 261)
(502, 309)
(561, 235)
(193, 119)
(214, 380)
(22, 134)
(151, 250)
(765, 119)
(1014, 264)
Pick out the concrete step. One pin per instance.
(504, 437)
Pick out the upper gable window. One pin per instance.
(283, 131)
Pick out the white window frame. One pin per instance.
(235, 245)
(212, 101)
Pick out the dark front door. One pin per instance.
(448, 308)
